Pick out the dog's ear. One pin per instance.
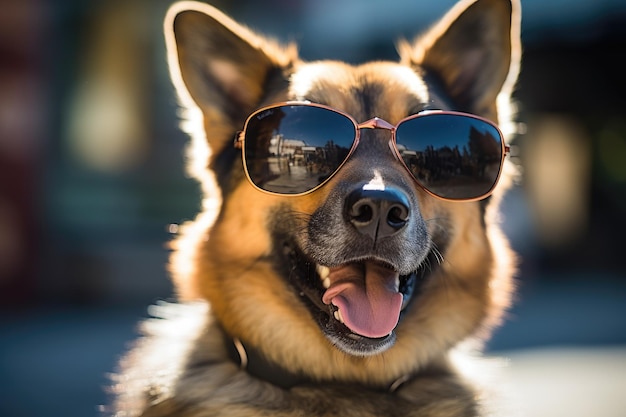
(474, 50)
(218, 64)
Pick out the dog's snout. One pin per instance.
(377, 213)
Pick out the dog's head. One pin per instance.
(369, 276)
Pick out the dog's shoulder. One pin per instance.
(180, 365)
(168, 345)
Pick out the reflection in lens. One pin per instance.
(293, 149)
(453, 156)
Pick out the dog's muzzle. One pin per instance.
(358, 271)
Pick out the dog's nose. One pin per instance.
(378, 213)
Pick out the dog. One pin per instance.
(348, 249)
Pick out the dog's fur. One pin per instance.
(244, 338)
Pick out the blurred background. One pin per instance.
(92, 177)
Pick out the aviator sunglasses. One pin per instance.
(293, 148)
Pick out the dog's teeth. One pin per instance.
(322, 271)
(338, 316)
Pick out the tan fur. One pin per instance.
(222, 267)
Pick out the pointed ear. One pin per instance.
(474, 50)
(219, 65)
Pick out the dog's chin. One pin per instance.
(307, 278)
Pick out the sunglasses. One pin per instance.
(293, 148)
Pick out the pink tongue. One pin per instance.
(367, 298)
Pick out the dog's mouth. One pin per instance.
(357, 304)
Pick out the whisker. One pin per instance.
(437, 254)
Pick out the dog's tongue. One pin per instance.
(367, 297)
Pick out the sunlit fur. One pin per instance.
(220, 265)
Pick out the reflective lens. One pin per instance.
(454, 156)
(293, 149)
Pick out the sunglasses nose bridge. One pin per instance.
(378, 123)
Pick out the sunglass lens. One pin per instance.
(454, 156)
(292, 149)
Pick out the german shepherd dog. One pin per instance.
(348, 248)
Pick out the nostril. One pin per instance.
(398, 215)
(362, 211)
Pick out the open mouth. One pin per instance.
(357, 304)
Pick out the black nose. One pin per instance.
(378, 213)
